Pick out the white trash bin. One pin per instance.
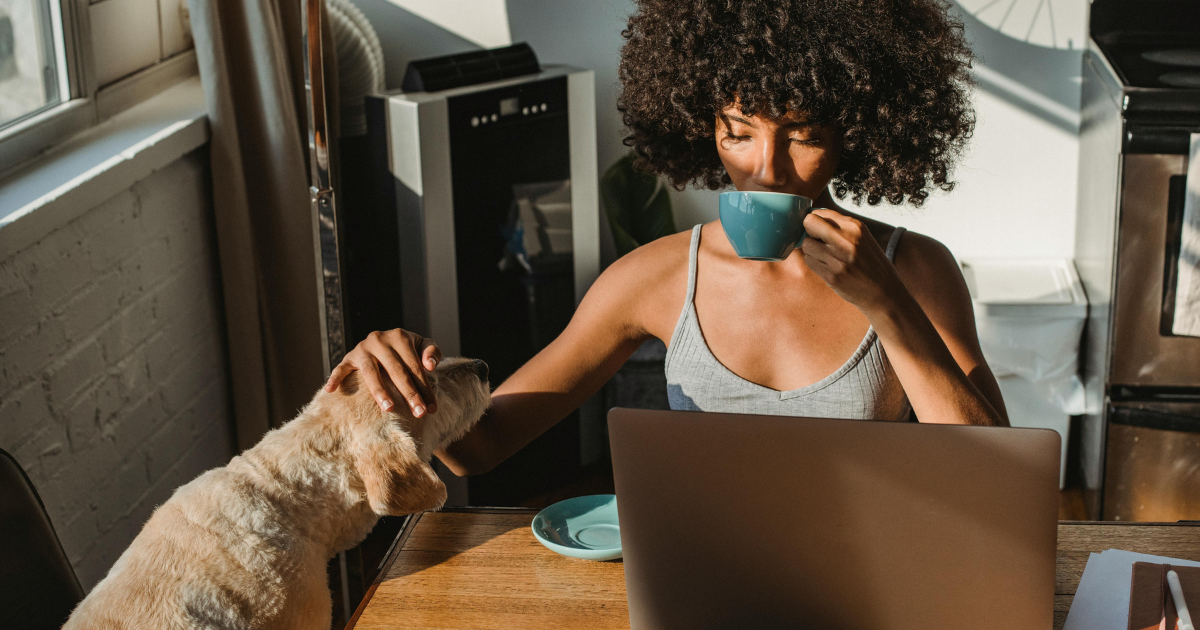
(1030, 315)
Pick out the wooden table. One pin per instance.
(481, 568)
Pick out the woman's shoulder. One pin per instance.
(656, 260)
(923, 262)
(923, 258)
(917, 255)
(647, 270)
(648, 284)
(932, 275)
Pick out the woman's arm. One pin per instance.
(608, 325)
(554, 382)
(637, 297)
(921, 310)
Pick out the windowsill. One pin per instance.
(83, 171)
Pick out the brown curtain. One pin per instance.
(250, 54)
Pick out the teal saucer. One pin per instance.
(583, 527)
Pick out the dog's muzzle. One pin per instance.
(481, 369)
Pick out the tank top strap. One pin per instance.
(892, 242)
(693, 253)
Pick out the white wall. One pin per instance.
(113, 383)
(482, 22)
(1016, 190)
(405, 36)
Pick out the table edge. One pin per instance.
(388, 559)
(398, 544)
(394, 550)
(1135, 523)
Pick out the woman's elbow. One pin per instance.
(465, 462)
(465, 469)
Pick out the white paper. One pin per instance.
(1102, 599)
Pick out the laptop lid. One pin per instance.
(738, 521)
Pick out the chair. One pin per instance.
(38, 588)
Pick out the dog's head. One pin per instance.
(461, 387)
(392, 450)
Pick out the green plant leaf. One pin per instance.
(636, 204)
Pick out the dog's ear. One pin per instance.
(397, 481)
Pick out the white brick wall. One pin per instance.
(113, 384)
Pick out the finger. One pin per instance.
(405, 362)
(818, 248)
(431, 355)
(411, 393)
(820, 255)
(850, 228)
(829, 214)
(374, 381)
(827, 269)
(819, 267)
(338, 375)
(392, 366)
(837, 219)
(819, 226)
(831, 233)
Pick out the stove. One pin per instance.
(1140, 108)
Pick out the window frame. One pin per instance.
(76, 110)
(86, 104)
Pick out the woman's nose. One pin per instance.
(771, 172)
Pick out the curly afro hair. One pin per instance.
(892, 74)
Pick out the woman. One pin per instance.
(865, 99)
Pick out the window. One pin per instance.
(67, 64)
(30, 53)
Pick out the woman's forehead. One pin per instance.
(792, 119)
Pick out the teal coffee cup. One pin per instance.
(764, 225)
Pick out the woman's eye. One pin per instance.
(811, 142)
(736, 138)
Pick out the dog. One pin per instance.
(245, 546)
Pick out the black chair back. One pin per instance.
(38, 588)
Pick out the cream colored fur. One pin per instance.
(245, 546)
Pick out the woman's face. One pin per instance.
(777, 155)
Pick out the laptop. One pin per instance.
(745, 521)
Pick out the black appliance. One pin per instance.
(480, 229)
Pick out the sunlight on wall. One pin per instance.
(484, 22)
(1016, 190)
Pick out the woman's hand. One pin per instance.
(394, 360)
(844, 253)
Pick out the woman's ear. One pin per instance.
(397, 481)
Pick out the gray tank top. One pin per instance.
(864, 388)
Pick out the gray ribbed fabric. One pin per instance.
(864, 388)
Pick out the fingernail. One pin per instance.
(418, 411)
(385, 404)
